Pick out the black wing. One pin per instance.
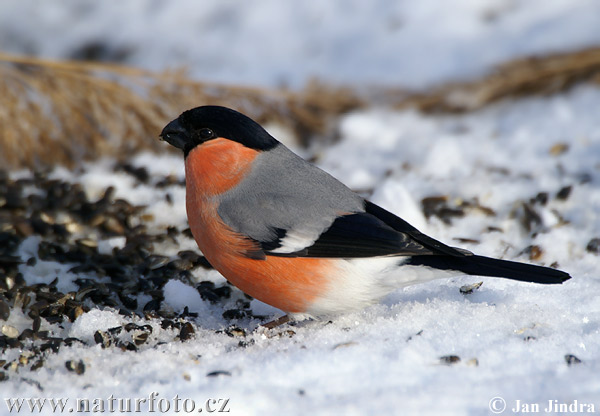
(401, 226)
(365, 234)
(377, 232)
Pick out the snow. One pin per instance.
(179, 295)
(511, 337)
(269, 42)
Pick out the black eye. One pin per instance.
(206, 134)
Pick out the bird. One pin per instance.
(291, 235)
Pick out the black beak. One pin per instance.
(175, 134)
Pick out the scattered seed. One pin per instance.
(87, 243)
(153, 305)
(26, 334)
(10, 331)
(72, 340)
(286, 333)
(468, 289)
(541, 198)
(558, 149)
(24, 358)
(186, 332)
(439, 206)
(115, 330)
(593, 246)
(473, 362)
(140, 173)
(235, 331)
(78, 367)
(102, 338)
(37, 365)
(344, 345)
(572, 360)
(140, 338)
(4, 310)
(449, 359)
(234, 314)
(564, 193)
(127, 346)
(529, 217)
(52, 344)
(534, 252)
(23, 228)
(76, 312)
(209, 292)
(128, 301)
(167, 323)
(218, 373)
(155, 261)
(466, 240)
(223, 292)
(246, 343)
(147, 217)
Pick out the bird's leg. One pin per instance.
(276, 322)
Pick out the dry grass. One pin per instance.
(60, 113)
(65, 112)
(522, 77)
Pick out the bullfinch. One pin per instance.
(289, 234)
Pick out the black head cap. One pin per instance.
(200, 124)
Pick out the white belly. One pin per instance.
(362, 282)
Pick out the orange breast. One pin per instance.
(290, 284)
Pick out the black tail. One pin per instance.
(486, 266)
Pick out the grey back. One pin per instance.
(285, 192)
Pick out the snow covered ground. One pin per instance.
(511, 337)
(492, 167)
